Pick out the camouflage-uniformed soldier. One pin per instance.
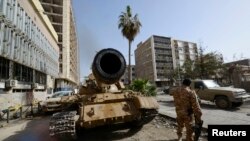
(186, 105)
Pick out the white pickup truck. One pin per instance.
(223, 97)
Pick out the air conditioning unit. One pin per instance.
(11, 83)
(34, 85)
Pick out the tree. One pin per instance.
(199, 62)
(130, 27)
(207, 65)
(188, 69)
(212, 64)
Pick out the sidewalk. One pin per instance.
(26, 110)
(171, 115)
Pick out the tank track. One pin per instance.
(147, 115)
(62, 124)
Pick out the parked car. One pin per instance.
(53, 103)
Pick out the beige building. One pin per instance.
(158, 56)
(153, 60)
(183, 50)
(28, 52)
(60, 13)
(239, 74)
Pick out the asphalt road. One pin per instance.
(211, 114)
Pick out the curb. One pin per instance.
(4, 123)
(168, 117)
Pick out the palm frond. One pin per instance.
(130, 26)
(143, 86)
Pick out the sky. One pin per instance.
(222, 26)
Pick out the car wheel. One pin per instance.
(237, 104)
(40, 109)
(223, 102)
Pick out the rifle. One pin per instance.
(197, 130)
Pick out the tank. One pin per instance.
(103, 100)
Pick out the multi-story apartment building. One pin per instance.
(183, 50)
(61, 15)
(124, 78)
(28, 52)
(153, 60)
(158, 56)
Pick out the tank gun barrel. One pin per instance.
(108, 66)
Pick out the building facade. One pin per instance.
(60, 13)
(124, 78)
(239, 74)
(182, 51)
(158, 57)
(153, 60)
(28, 52)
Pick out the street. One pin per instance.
(211, 114)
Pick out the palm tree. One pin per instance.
(143, 86)
(130, 27)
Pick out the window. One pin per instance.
(211, 84)
(60, 38)
(60, 58)
(40, 77)
(4, 68)
(60, 68)
(198, 85)
(23, 73)
(60, 47)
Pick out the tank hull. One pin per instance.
(109, 108)
(105, 109)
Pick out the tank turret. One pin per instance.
(107, 68)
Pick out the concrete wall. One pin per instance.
(13, 99)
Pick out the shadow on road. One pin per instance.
(109, 132)
(34, 130)
(206, 105)
(212, 106)
(38, 130)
